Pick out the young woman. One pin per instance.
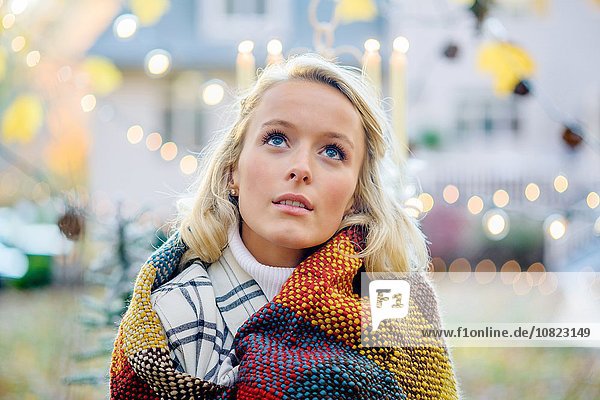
(255, 295)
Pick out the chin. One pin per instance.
(297, 241)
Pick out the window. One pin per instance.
(231, 21)
(485, 116)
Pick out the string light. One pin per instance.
(475, 205)
(88, 102)
(168, 151)
(592, 200)
(459, 270)
(33, 58)
(556, 226)
(125, 26)
(158, 63)
(135, 134)
(509, 271)
(18, 6)
(8, 21)
(532, 192)
(561, 183)
(495, 224)
(427, 201)
(501, 198)
(154, 141)
(450, 194)
(188, 164)
(18, 44)
(485, 271)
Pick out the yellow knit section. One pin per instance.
(141, 327)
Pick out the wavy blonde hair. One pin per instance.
(394, 242)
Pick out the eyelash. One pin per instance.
(273, 133)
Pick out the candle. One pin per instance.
(245, 65)
(274, 52)
(398, 94)
(372, 62)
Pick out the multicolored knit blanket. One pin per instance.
(304, 344)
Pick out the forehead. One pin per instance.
(312, 105)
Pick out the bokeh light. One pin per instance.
(135, 134)
(561, 183)
(274, 47)
(496, 224)
(158, 63)
(18, 44)
(372, 45)
(401, 44)
(475, 205)
(88, 102)
(246, 46)
(154, 141)
(592, 200)
(450, 194)
(213, 93)
(556, 226)
(532, 192)
(188, 164)
(168, 151)
(33, 58)
(125, 26)
(501, 198)
(427, 201)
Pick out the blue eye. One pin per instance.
(334, 153)
(275, 139)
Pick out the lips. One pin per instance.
(294, 200)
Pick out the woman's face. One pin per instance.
(302, 153)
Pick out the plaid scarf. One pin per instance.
(304, 344)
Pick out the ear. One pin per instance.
(234, 177)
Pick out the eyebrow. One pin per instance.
(287, 124)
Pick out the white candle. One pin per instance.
(372, 62)
(274, 52)
(245, 65)
(398, 93)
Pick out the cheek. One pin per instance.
(254, 172)
(339, 193)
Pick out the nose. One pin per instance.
(300, 170)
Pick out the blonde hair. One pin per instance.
(394, 242)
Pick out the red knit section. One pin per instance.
(126, 385)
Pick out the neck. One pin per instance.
(268, 253)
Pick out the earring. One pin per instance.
(233, 192)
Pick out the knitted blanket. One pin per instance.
(304, 344)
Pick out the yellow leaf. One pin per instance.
(149, 11)
(104, 75)
(22, 119)
(356, 10)
(67, 156)
(507, 63)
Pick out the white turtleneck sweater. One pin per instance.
(270, 279)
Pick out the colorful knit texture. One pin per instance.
(305, 344)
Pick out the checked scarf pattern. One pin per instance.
(304, 344)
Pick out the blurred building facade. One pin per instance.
(461, 132)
